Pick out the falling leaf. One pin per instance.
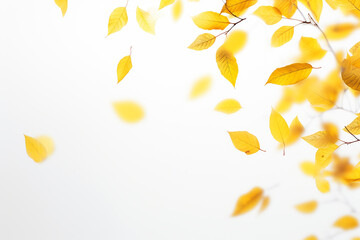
(281, 36)
(200, 87)
(237, 7)
(165, 3)
(290, 74)
(346, 222)
(235, 41)
(62, 4)
(203, 41)
(245, 142)
(38, 149)
(279, 128)
(145, 20)
(354, 50)
(270, 15)
(228, 106)
(315, 6)
(118, 19)
(286, 7)
(322, 184)
(323, 157)
(320, 139)
(248, 201)
(353, 127)
(350, 74)
(48, 143)
(124, 67)
(177, 10)
(307, 207)
(211, 20)
(295, 131)
(308, 168)
(129, 111)
(264, 204)
(227, 65)
(310, 49)
(339, 31)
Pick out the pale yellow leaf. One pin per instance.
(48, 143)
(270, 15)
(264, 204)
(118, 19)
(320, 139)
(315, 6)
(228, 106)
(165, 3)
(308, 168)
(211, 20)
(286, 100)
(339, 31)
(177, 10)
(237, 7)
(200, 87)
(322, 184)
(281, 36)
(235, 41)
(129, 111)
(248, 201)
(307, 207)
(310, 49)
(353, 127)
(295, 131)
(124, 67)
(245, 142)
(279, 128)
(35, 149)
(323, 157)
(227, 65)
(203, 41)
(62, 4)
(346, 222)
(286, 7)
(146, 21)
(290, 74)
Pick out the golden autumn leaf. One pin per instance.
(211, 20)
(165, 3)
(237, 7)
(350, 74)
(286, 100)
(248, 201)
(203, 41)
(286, 7)
(123, 68)
(354, 50)
(290, 74)
(320, 139)
(228, 106)
(281, 36)
(346, 222)
(322, 184)
(295, 131)
(129, 111)
(235, 41)
(118, 19)
(355, 238)
(308, 168)
(315, 6)
(307, 207)
(279, 128)
(227, 65)
(323, 157)
(332, 131)
(200, 87)
(353, 127)
(310, 49)
(311, 237)
(177, 10)
(245, 142)
(348, 6)
(339, 31)
(145, 20)
(62, 4)
(270, 15)
(38, 149)
(264, 204)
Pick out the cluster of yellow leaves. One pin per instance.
(38, 149)
(250, 200)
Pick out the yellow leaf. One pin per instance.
(286, 100)
(227, 65)
(290, 74)
(228, 106)
(353, 127)
(203, 41)
(295, 131)
(235, 41)
(310, 49)
(307, 207)
(145, 20)
(319, 139)
(354, 50)
(286, 7)
(211, 20)
(248, 201)
(311, 237)
(200, 87)
(308, 168)
(355, 238)
(237, 7)
(165, 3)
(339, 31)
(279, 128)
(281, 36)
(118, 19)
(322, 184)
(348, 6)
(323, 157)
(331, 131)
(48, 143)
(270, 15)
(350, 74)
(315, 6)
(264, 204)
(62, 4)
(35, 149)
(129, 111)
(177, 9)
(245, 142)
(124, 67)
(346, 222)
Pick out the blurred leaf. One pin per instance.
(346, 222)
(129, 111)
(228, 106)
(200, 87)
(248, 201)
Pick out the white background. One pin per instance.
(174, 175)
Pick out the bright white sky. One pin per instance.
(176, 174)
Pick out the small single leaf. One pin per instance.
(353, 127)
(248, 201)
(281, 36)
(227, 65)
(354, 50)
(177, 10)
(310, 49)
(165, 3)
(62, 4)
(200, 87)
(290, 74)
(307, 207)
(35, 149)
(237, 7)
(322, 184)
(323, 157)
(279, 128)
(129, 111)
(118, 19)
(211, 20)
(339, 31)
(270, 15)
(308, 168)
(228, 106)
(145, 20)
(48, 143)
(235, 41)
(264, 204)
(295, 131)
(346, 222)
(350, 74)
(286, 7)
(124, 67)
(245, 142)
(203, 41)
